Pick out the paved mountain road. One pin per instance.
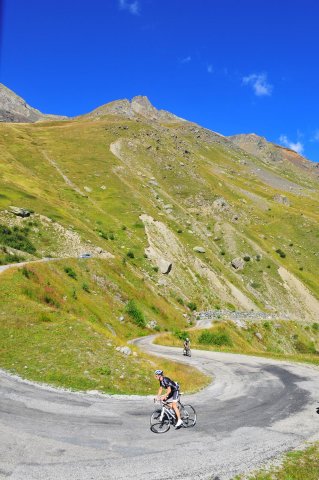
(254, 410)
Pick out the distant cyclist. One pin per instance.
(172, 394)
(187, 344)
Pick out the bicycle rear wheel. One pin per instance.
(188, 415)
(161, 427)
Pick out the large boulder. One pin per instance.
(20, 212)
(124, 350)
(238, 263)
(164, 266)
(199, 249)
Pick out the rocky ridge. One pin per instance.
(139, 106)
(14, 109)
(269, 152)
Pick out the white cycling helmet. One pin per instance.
(158, 372)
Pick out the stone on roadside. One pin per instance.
(124, 350)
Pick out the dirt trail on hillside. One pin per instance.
(65, 178)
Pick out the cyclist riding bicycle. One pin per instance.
(187, 344)
(172, 394)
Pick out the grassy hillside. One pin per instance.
(281, 339)
(137, 194)
(63, 322)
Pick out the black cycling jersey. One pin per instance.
(167, 382)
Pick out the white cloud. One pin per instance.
(259, 84)
(316, 136)
(295, 146)
(210, 68)
(132, 7)
(186, 59)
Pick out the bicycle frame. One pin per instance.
(166, 409)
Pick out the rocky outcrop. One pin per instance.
(199, 249)
(282, 199)
(163, 265)
(124, 350)
(220, 204)
(20, 212)
(269, 152)
(238, 263)
(139, 106)
(14, 109)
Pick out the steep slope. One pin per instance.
(14, 109)
(99, 177)
(177, 218)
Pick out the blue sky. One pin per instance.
(234, 66)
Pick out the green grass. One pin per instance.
(57, 332)
(296, 465)
(286, 340)
(16, 238)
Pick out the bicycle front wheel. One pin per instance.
(188, 415)
(162, 426)
(155, 417)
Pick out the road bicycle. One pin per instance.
(187, 352)
(162, 418)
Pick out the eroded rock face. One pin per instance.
(163, 265)
(161, 244)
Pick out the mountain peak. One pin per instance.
(15, 109)
(139, 106)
